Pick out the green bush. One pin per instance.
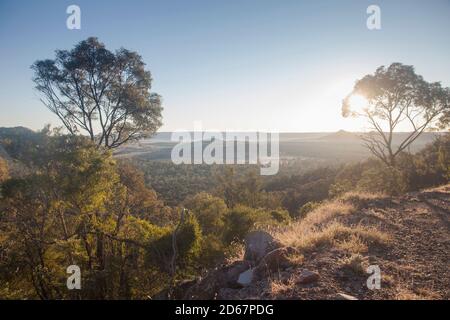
(280, 215)
(188, 240)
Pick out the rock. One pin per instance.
(224, 277)
(245, 278)
(274, 261)
(257, 245)
(307, 276)
(343, 296)
(233, 272)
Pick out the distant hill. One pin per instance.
(16, 140)
(341, 135)
(16, 131)
(336, 146)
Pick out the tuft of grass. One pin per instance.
(356, 263)
(354, 244)
(279, 287)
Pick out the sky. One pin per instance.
(268, 65)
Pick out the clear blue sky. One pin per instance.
(280, 65)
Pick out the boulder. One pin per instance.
(257, 245)
(275, 260)
(307, 277)
(245, 278)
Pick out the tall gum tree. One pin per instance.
(396, 97)
(97, 92)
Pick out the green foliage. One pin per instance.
(75, 208)
(118, 106)
(174, 183)
(298, 190)
(432, 164)
(280, 215)
(241, 219)
(429, 167)
(383, 178)
(188, 241)
(208, 210)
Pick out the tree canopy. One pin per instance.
(397, 98)
(97, 92)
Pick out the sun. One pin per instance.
(358, 103)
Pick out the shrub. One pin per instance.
(280, 215)
(306, 208)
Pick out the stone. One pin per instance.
(233, 271)
(224, 277)
(275, 260)
(343, 296)
(307, 276)
(257, 245)
(245, 278)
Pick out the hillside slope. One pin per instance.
(407, 237)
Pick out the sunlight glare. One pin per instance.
(358, 103)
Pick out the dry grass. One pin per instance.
(354, 239)
(296, 259)
(356, 263)
(327, 212)
(354, 244)
(318, 216)
(279, 287)
(360, 197)
(235, 252)
(321, 228)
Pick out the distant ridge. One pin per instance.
(7, 131)
(341, 135)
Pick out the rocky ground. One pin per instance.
(327, 255)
